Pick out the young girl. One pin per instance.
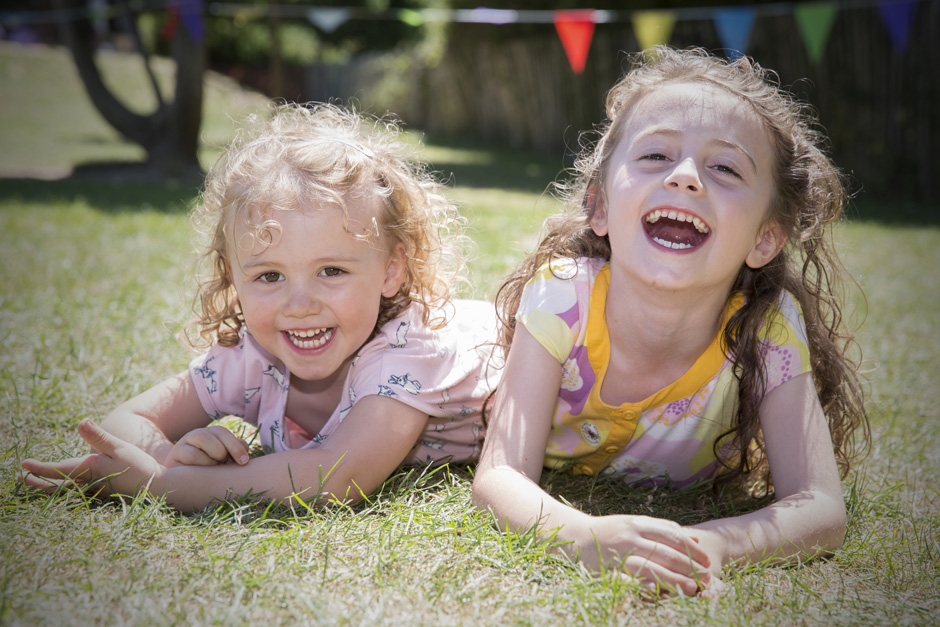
(680, 326)
(333, 327)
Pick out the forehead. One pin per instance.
(697, 107)
(357, 212)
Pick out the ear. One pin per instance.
(770, 242)
(599, 214)
(394, 271)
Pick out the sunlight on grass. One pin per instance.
(98, 280)
(47, 123)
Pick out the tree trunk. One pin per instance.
(170, 134)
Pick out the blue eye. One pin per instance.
(270, 277)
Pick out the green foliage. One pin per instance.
(248, 42)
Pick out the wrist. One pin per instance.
(712, 543)
(586, 540)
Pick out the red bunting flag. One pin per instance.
(575, 29)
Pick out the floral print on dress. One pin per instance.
(571, 376)
(671, 435)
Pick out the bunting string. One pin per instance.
(575, 28)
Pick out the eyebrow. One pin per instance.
(672, 132)
(254, 262)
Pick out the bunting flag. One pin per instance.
(192, 14)
(328, 19)
(171, 24)
(898, 18)
(653, 27)
(814, 21)
(411, 17)
(734, 27)
(575, 29)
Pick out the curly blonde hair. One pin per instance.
(808, 200)
(303, 156)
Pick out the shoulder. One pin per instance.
(785, 347)
(232, 380)
(436, 370)
(557, 286)
(784, 322)
(236, 364)
(406, 338)
(555, 302)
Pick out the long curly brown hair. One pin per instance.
(303, 156)
(808, 201)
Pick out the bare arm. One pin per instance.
(155, 419)
(506, 482)
(808, 517)
(363, 451)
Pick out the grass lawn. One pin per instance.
(97, 283)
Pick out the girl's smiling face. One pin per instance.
(311, 296)
(688, 189)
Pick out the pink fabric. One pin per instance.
(445, 373)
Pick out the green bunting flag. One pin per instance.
(814, 21)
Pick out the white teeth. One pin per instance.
(674, 245)
(325, 335)
(307, 333)
(679, 217)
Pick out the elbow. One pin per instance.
(834, 526)
(481, 491)
(839, 527)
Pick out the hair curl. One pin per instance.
(808, 200)
(305, 156)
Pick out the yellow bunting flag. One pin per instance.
(653, 27)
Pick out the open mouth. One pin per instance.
(310, 338)
(676, 230)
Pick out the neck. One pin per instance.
(671, 329)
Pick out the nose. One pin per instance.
(303, 299)
(685, 176)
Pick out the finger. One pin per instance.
(75, 469)
(235, 447)
(38, 482)
(208, 442)
(667, 565)
(675, 537)
(75, 473)
(183, 454)
(97, 438)
(647, 590)
(713, 590)
(659, 578)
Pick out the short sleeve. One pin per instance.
(785, 346)
(233, 381)
(553, 307)
(442, 372)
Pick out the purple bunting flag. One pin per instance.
(898, 18)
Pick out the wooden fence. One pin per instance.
(512, 84)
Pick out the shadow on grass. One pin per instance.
(602, 497)
(897, 213)
(109, 196)
(484, 166)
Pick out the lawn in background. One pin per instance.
(97, 283)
